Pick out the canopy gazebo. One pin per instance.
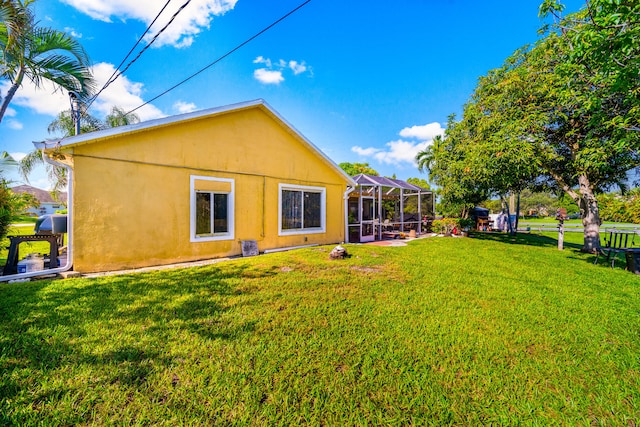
(379, 207)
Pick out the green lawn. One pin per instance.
(445, 331)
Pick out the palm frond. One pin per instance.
(7, 162)
(29, 162)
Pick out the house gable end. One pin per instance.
(252, 140)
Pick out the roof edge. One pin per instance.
(90, 137)
(311, 145)
(84, 138)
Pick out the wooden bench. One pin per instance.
(616, 242)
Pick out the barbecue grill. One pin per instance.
(51, 224)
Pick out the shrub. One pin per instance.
(6, 208)
(445, 225)
(620, 208)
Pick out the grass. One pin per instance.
(444, 331)
(26, 219)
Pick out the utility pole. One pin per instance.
(74, 99)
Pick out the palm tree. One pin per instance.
(56, 174)
(38, 54)
(6, 162)
(64, 124)
(427, 157)
(119, 117)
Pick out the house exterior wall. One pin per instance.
(132, 194)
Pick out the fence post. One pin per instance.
(561, 214)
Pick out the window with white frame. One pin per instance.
(302, 209)
(211, 208)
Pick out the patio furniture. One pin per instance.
(616, 243)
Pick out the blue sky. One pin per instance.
(365, 81)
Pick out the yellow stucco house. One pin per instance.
(195, 186)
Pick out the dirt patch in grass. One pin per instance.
(367, 269)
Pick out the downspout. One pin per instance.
(69, 264)
(346, 212)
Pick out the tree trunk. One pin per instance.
(12, 91)
(517, 212)
(505, 206)
(590, 214)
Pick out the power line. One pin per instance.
(112, 79)
(264, 30)
(156, 36)
(117, 72)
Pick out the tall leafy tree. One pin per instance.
(353, 169)
(561, 114)
(420, 182)
(448, 162)
(29, 51)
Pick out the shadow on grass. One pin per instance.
(49, 325)
(524, 239)
(531, 239)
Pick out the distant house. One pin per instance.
(195, 186)
(48, 205)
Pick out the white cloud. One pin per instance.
(14, 124)
(9, 122)
(184, 107)
(50, 101)
(272, 72)
(262, 60)
(46, 100)
(268, 76)
(297, 67)
(365, 152)
(73, 32)
(425, 132)
(403, 152)
(399, 153)
(122, 93)
(195, 17)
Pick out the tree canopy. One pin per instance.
(561, 114)
(420, 182)
(353, 169)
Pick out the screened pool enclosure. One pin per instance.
(382, 207)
